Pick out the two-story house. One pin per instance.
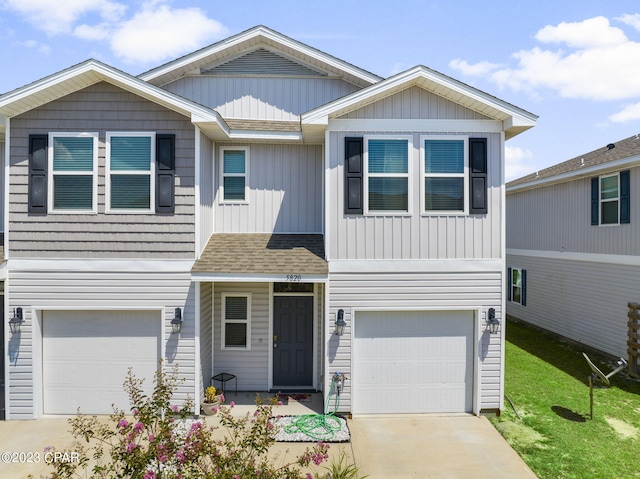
(572, 246)
(262, 194)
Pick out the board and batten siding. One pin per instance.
(276, 98)
(565, 210)
(414, 103)
(100, 108)
(416, 291)
(415, 235)
(581, 300)
(285, 191)
(93, 290)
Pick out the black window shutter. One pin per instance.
(478, 176)
(353, 176)
(38, 173)
(508, 284)
(625, 197)
(165, 173)
(595, 200)
(523, 283)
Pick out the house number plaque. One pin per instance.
(294, 278)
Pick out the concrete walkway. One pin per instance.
(424, 446)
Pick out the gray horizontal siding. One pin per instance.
(285, 196)
(415, 103)
(558, 218)
(415, 236)
(581, 300)
(416, 291)
(249, 366)
(94, 290)
(261, 98)
(101, 108)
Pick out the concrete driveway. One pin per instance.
(425, 446)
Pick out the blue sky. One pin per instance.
(575, 64)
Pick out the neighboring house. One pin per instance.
(572, 246)
(260, 189)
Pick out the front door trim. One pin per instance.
(315, 353)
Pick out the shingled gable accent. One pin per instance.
(261, 61)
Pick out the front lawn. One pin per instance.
(546, 380)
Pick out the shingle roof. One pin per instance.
(263, 125)
(258, 253)
(621, 149)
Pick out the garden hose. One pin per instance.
(321, 427)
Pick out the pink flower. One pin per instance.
(138, 427)
(151, 438)
(131, 446)
(309, 475)
(149, 475)
(123, 423)
(135, 411)
(180, 456)
(232, 404)
(175, 408)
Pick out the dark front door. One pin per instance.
(292, 341)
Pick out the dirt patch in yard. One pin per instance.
(624, 430)
(520, 435)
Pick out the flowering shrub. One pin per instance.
(158, 441)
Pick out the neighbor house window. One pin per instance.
(72, 185)
(130, 186)
(609, 200)
(387, 161)
(234, 170)
(517, 285)
(445, 174)
(236, 321)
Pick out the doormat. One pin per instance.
(311, 428)
(300, 397)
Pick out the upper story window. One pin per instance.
(236, 320)
(72, 183)
(234, 171)
(387, 169)
(130, 172)
(610, 199)
(445, 174)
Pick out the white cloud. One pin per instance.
(40, 47)
(628, 113)
(517, 162)
(101, 31)
(632, 20)
(55, 17)
(594, 61)
(159, 32)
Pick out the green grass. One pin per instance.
(546, 379)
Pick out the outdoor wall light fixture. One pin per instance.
(176, 322)
(340, 323)
(492, 323)
(16, 321)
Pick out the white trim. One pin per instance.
(477, 346)
(197, 386)
(255, 278)
(408, 175)
(223, 320)
(103, 265)
(51, 173)
(464, 175)
(151, 172)
(503, 269)
(327, 173)
(7, 332)
(629, 260)
(416, 266)
(620, 164)
(261, 33)
(270, 318)
(404, 125)
(7, 170)
(265, 135)
(222, 175)
(197, 250)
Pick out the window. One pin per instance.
(130, 186)
(387, 170)
(609, 200)
(517, 285)
(445, 174)
(234, 171)
(236, 321)
(72, 183)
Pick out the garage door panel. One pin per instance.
(413, 361)
(87, 354)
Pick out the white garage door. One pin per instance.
(413, 362)
(86, 355)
